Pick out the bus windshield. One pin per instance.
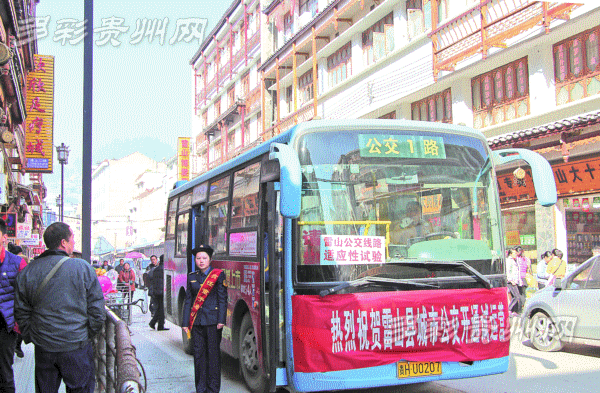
(374, 199)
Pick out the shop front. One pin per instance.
(576, 217)
(578, 184)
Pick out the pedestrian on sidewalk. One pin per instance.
(10, 266)
(127, 281)
(557, 267)
(513, 277)
(156, 278)
(541, 274)
(204, 315)
(147, 282)
(524, 264)
(120, 266)
(18, 251)
(60, 307)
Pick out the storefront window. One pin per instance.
(519, 228)
(583, 227)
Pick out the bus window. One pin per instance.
(244, 211)
(185, 202)
(170, 230)
(182, 234)
(219, 189)
(217, 226)
(370, 198)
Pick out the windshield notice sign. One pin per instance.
(401, 146)
(352, 250)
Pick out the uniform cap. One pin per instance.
(205, 248)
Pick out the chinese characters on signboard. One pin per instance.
(40, 115)
(405, 146)
(344, 250)
(348, 331)
(571, 178)
(183, 158)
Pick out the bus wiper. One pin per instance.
(462, 265)
(374, 280)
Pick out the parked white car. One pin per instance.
(568, 311)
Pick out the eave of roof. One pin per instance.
(214, 31)
(555, 127)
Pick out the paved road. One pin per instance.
(168, 369)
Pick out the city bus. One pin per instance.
(357, 253)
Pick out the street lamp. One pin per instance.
(63, 157)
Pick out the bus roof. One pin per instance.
(321, 125)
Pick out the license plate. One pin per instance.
(418, 369)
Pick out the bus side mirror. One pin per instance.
(290, 179)
(541, 172)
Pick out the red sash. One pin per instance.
(205, 289)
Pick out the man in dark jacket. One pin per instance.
(10, 265)
(60, 307)
(156, 277)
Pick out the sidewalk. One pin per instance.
(23, 369)
(167, 367)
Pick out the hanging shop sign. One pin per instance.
(11, 224)
(183, 158)
(40, 116)
(571, 178)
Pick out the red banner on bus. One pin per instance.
(351, 331)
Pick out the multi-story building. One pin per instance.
(18, 45)
(146, 219)
(113, 185)
(227, 95)
(526, 73)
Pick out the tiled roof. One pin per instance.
(567, 124)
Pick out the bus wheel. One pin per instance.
(249, 363)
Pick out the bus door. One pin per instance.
(196, 232)
(271, 291)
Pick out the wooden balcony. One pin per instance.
(252, 100)
(490, 24)
(253, 41)
(303, 114)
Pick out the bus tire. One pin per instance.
(252, 372)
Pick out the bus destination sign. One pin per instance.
(403, 146)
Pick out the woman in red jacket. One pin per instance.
(127, 280)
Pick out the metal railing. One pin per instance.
(115, 358)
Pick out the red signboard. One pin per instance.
(570, 177)
(352, 331)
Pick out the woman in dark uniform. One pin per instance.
(204, 316)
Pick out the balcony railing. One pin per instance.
(490, 24)
(253, 100)
(303, 114)
(253, 41)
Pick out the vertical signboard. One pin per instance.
(183, 158)
(11, 224)
(40, 115)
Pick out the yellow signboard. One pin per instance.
(183, 158)
(39, 123)
(432, 204)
